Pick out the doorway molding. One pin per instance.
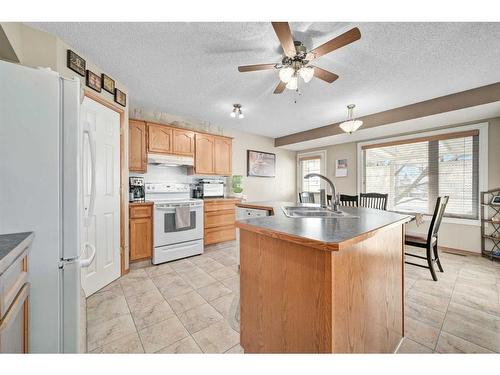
(123, 171)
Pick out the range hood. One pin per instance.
(170, 160)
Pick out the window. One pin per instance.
(414, 172)
(311, 162)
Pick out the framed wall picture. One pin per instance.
(120, 97)
(108, 83)
(93, 81)
(76, 63)
(261, 164)
(341, 168)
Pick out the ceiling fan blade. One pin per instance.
(325, 75)
(252, 68)
(282, 30)
(335, 43)
(279, 89)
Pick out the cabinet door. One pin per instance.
(137, 161)
(159, 139)
(204, 159)
(183, 142)
(141, 238)
(222, 156)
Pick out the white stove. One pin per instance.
(172, 241)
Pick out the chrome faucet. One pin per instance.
(335, 204)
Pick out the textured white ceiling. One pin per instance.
(190, 69)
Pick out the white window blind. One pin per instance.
(310, 165)
(415, 172)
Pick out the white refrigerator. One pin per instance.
(41, 146)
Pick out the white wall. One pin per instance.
(279, 188)
(456, 236)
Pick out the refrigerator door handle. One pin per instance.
(90, 209)
(84, 263)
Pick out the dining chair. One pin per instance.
(348, 200)
(373, 200)
(430, 243)
(306, 197)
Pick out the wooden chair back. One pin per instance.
(348, 200)
(306, 197)
(437, 217)
(373, 200)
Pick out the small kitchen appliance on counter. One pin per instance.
(211, 188)
(177, 221)
(136, 189)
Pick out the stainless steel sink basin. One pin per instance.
(309, 211)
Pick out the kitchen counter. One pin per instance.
(145, 203)
(11, 246)
(321, 285)
(322, 233)
(229, 199)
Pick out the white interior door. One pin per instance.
(103, 226)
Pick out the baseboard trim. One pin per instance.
(451, 250)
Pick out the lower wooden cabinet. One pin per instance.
(141, 231)
(219, 220)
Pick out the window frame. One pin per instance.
(322, 167)
(483, 161)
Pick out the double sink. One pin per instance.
(314, 211)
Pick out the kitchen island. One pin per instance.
(322, 285)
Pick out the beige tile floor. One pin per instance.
(189, 306)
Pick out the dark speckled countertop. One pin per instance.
(324, 233)
(11, 246)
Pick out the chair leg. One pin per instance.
(436, 256)
(431, 264)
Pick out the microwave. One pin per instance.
(212, 188)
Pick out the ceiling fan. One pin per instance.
(296, 59)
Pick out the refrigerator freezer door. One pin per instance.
(30, 192)
(71, 295)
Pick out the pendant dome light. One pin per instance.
(351, 125)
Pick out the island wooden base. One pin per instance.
(297, 299)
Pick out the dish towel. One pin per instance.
(182, 217)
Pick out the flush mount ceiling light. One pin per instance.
(351, 125)
(237, 112)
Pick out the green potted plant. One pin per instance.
(236, 188)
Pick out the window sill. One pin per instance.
(456, 220)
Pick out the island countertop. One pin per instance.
(11, 246)
(329, 234)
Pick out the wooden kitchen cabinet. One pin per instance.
(183, 142)
(220, 219)
(14, 294)
(141, 231)
(213, 155)
(137, 157)
(204, 154)
(222, 156)
(160, 139)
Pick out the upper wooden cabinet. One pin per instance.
(183, 142)
(137, 158)
(159, 139)
(204, 155)
(212, 153)
(222, 156)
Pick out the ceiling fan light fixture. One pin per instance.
(237, 112)
(286, 74)
(293, 83)
(307, 73)
(351, 125)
